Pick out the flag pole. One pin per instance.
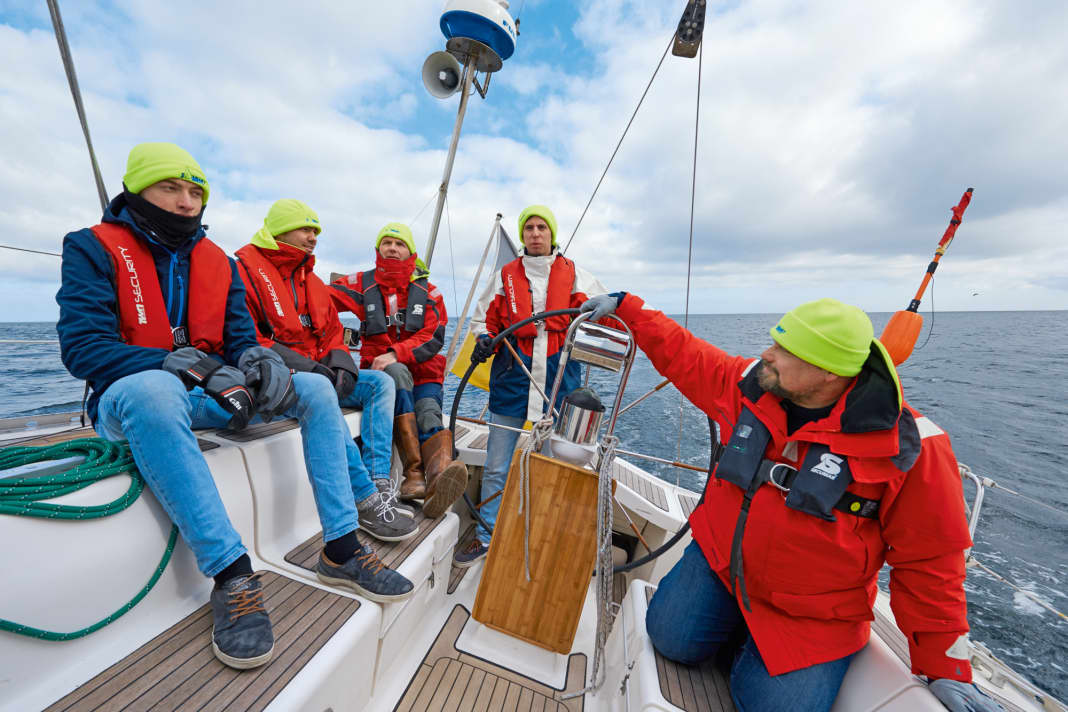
(471, 294)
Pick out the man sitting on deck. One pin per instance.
(296, 318)
(402, 325)
(854, 477)
(151, 308)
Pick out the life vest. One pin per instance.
(282, 320)
(816, 488)
(143, 319)
(519, 299)
(377, 321)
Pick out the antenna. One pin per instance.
(480, 35)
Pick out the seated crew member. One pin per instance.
(540, 279)
(295, 317)
(826, 473)
(149, 308)
(402, 326)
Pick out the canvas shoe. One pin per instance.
(380, 519)
(365, 574)
(242, 636)
(386, 486)
(470, 555)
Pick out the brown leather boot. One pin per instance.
(406, 438)
(446, 479)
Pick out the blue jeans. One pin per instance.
(692, 614)
(375, 393)
(499, 451)
(153, 411)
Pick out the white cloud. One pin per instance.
(833, 140)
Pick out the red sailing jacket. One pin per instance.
(143, 315)
(811, 582)
(288, 302)
(418, 350)
(516, 304)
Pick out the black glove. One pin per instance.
(344, 383)
(225, 384)
(268, 377)
(343, 372)
(299, 363)
(483, 349)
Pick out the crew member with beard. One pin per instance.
(825, 473)
(152, 315)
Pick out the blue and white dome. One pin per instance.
(487, 21)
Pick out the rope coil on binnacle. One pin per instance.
(540, 433)
(606, 456)
(24, 497)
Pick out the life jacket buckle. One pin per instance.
(788, 475)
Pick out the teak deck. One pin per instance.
(306, 555)
(177, 669)
(451, 681)
(694, 688)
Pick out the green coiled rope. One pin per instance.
(22, 496)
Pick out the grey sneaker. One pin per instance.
(470, 555)
(365, 574)
(379, 518)
(242, 636)
(388, 487)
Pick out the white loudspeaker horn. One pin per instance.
(441, 75)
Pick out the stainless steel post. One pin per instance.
(443, 189)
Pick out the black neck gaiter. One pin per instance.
(169, 229)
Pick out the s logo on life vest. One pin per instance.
(829, 466)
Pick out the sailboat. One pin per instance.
(441, 649)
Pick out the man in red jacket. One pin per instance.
(402, 325)
(825, 474)
(296, 318)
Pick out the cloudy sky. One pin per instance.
(834, 138)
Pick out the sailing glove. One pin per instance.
(483, 349)
(269, 379)
(343, 372)
(602, 305)
(958, 696)
(300, 363)
(225, 384)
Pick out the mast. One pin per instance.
(480, 35)
(443, 189)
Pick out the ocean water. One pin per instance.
(997, 382)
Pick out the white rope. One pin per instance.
(606, 451)
(538, 435)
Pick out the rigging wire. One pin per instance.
(603, 174)
(38, 252)
(452, 258)
(425, 206)
(72, 80)
(689, 253)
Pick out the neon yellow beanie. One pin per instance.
(398, 231)
(836, 337)
(542, 212)
(285, 215)
(402, 232)
(149, 163)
